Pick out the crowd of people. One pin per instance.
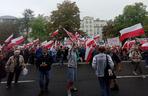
(15, 60)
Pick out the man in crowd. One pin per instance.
(14, 66)
(44, 66)
(2, 65)
(99, 64)
(135, 57)
(72, 70)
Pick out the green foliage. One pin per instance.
(132, 14)
(39, 28)
(27, 18)
(66, 16)
(8, 28)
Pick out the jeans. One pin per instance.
(62, 60)
(104, 85)
(44, 75)
(16, 72)
(54, 59)
(72, 74)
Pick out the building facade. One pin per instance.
(92, 26)
(7, 18)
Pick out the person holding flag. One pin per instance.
(72, 70)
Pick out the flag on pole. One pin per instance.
(71, 36)
(36, 41)
(90, 43)
(49, 44)
(96, 37)
(8, 40)
(54, 33)
(43, 43)
(133, 31)
(18, 40)
(77, 35)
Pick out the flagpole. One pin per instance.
(68, 34)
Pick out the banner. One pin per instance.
(113, 41)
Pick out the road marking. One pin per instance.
(25, 81)
(130, 76)
(119, 77)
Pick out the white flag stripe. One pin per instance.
(26, 81)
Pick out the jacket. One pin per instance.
(12, 63)
(99, 63)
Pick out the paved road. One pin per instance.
(87, 83)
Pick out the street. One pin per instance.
(87, 83)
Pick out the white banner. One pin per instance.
(113, 41)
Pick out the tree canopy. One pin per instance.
(39, 28)
(66, 16)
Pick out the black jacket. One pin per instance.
(47, 59)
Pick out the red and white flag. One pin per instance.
(49, 44)
(54, 33)
(144, 46)
(9, 39)
(77, 35)
(36, 41)
(71, 36)
(44, 43)
(28, 45)
(90, 44)
(133, 31)
(18, 40)
(96, 37)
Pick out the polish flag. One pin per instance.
(54, 33)
(18, 40)
(133, 31)
(44, 43)
(31, 43)
(28, 45)
(77, 35)
(15, 41)
(144, 46)
(36, 41)
(97, 37)
(71, 36)
(49, 44)
(90, 44)
(129, 44)
(9, 39)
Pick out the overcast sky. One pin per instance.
(103, 9)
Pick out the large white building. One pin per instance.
(8, 18)
(92, 26)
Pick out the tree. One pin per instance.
(146, 26)
(39, 28)
(108, 30)
(28, 17)
(66, 16)
(132, 14)
(8, 28)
